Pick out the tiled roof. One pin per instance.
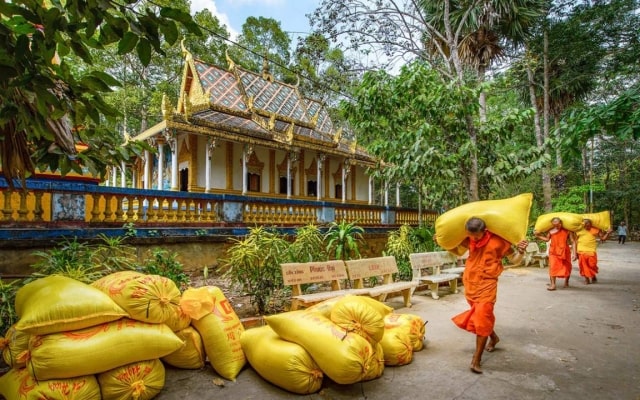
(223, 86)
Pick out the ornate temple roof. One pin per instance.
(241, 105)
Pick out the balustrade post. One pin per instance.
(38, 210)
(7, 211)
(23, 211)
(95, 211)
(107, 207)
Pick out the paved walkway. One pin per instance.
(577, 343)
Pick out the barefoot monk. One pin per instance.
(480, 279)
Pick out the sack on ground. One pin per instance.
(15, 347)
(147, 298)
(220, 331)
(57, 304)
(507, 218)
(412, 325)
(376, 363)
(99, 348)
(18, 384)
(356, 314)
(397, 347)
(342, 356)
(142, 380)
(191, 355)
(285, 364)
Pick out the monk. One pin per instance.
(562, 249)
(480, 280)
(587, 245)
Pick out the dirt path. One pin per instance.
(575, 343)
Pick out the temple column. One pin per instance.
(320, 164)
(370, 190)
(147, 169)
(211, 145)
(246, 153)
(123, 175)
(160, 165)
(386, 193)
(397, 195)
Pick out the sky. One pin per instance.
(233, 13)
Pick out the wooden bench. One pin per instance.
(329, 272)
(382, 268)
(534, 255)
(433, 262)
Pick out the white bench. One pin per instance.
(381, 268)
(433, 262)
(330, 272)
(534, 255)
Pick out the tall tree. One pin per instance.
(44, 105)
(263, 44)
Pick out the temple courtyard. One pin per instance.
(581, 342)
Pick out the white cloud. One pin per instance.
(261, 2)
(199, 5)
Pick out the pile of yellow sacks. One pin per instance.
(349, 339)
(108, 340)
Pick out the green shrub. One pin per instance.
(253, 264)
(307, 245)
(342, 240)
(164, 263)
(8, 315)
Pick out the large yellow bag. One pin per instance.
(573, 221)
(355, 314)
(147, 298)
(57, 303)
(342, 356)
(507, 218)
(220, 331)
(397, 347)
(285, 364)
(411, 324)
(18, 384)
(191, 355)
(15, 347)
(376, 364)
(99, 348)
(326, 306)
(140, 381)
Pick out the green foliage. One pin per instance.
(164, 263)
(308, 245)
(405, 241)
(46, 97)
(342, 240)
(8, 315)
(130, 230)
(201, 232)
(253, 263)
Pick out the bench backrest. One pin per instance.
(431, 259)
(296, 274)
(370, 267)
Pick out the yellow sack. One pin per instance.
(18, 384)
(507, 218)
(99, 348)
(147, 298)
(342, 356)
(196, 302)
(397, 347)
(140, 381)
(15, 347)
(325, 307)
(57, 303)
(355, 314)
(285, 364)
(220, 331)
(376, 364)
(411, 324)
(573, 221)
(192, 355)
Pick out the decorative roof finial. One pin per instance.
(266, 74)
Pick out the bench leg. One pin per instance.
(434, 290)
(295, 304)
(406, 294)
(453, 285)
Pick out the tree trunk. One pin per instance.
(556, 123)
(546, 173)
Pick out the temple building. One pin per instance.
(239, 132)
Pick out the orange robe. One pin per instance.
(587, 257)
(480, 279)
(559, 254)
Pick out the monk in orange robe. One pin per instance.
(587, 245)
(480, 280)
(562, 248)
